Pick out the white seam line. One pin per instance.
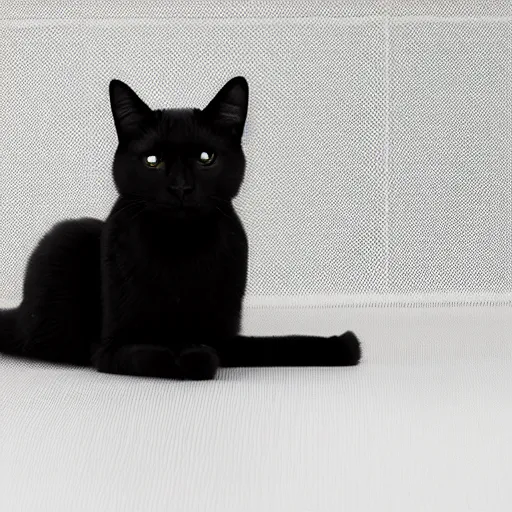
(94, 22)
(510, 150)
(384, 305)
(315, 301)
(277, 20)
(387, 106)
(451, 19)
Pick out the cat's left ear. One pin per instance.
(229, 107)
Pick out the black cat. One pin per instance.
(157, 289)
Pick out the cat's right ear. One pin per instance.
(129, 111)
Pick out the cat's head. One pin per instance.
(187, 162)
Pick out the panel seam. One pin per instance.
(510, 149)
(387, 100)
(349, 20)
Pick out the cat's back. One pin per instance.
(60, 314)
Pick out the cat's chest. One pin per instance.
(165, 257)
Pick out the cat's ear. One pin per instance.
(129, 111)
(229, 107)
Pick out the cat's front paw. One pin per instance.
(139, 360)
(198, 362)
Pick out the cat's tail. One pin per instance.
(9, 340)
(343, 350)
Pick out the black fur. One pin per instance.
(157, 289)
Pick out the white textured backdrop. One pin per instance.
(379, 138)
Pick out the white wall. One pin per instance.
(379, 139)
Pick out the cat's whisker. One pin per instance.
(217, 198)
(135, 210)
(130, 206)
(137, 213)
(223, 212)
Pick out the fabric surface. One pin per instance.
(423, 424)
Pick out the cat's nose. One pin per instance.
(180, 190)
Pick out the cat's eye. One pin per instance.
(206, 157)
(152, 160)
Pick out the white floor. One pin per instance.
(424, 424)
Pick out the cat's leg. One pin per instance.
(137, 360)
(182, 361)
(60, 314)
(193, 362)
(344, 350)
